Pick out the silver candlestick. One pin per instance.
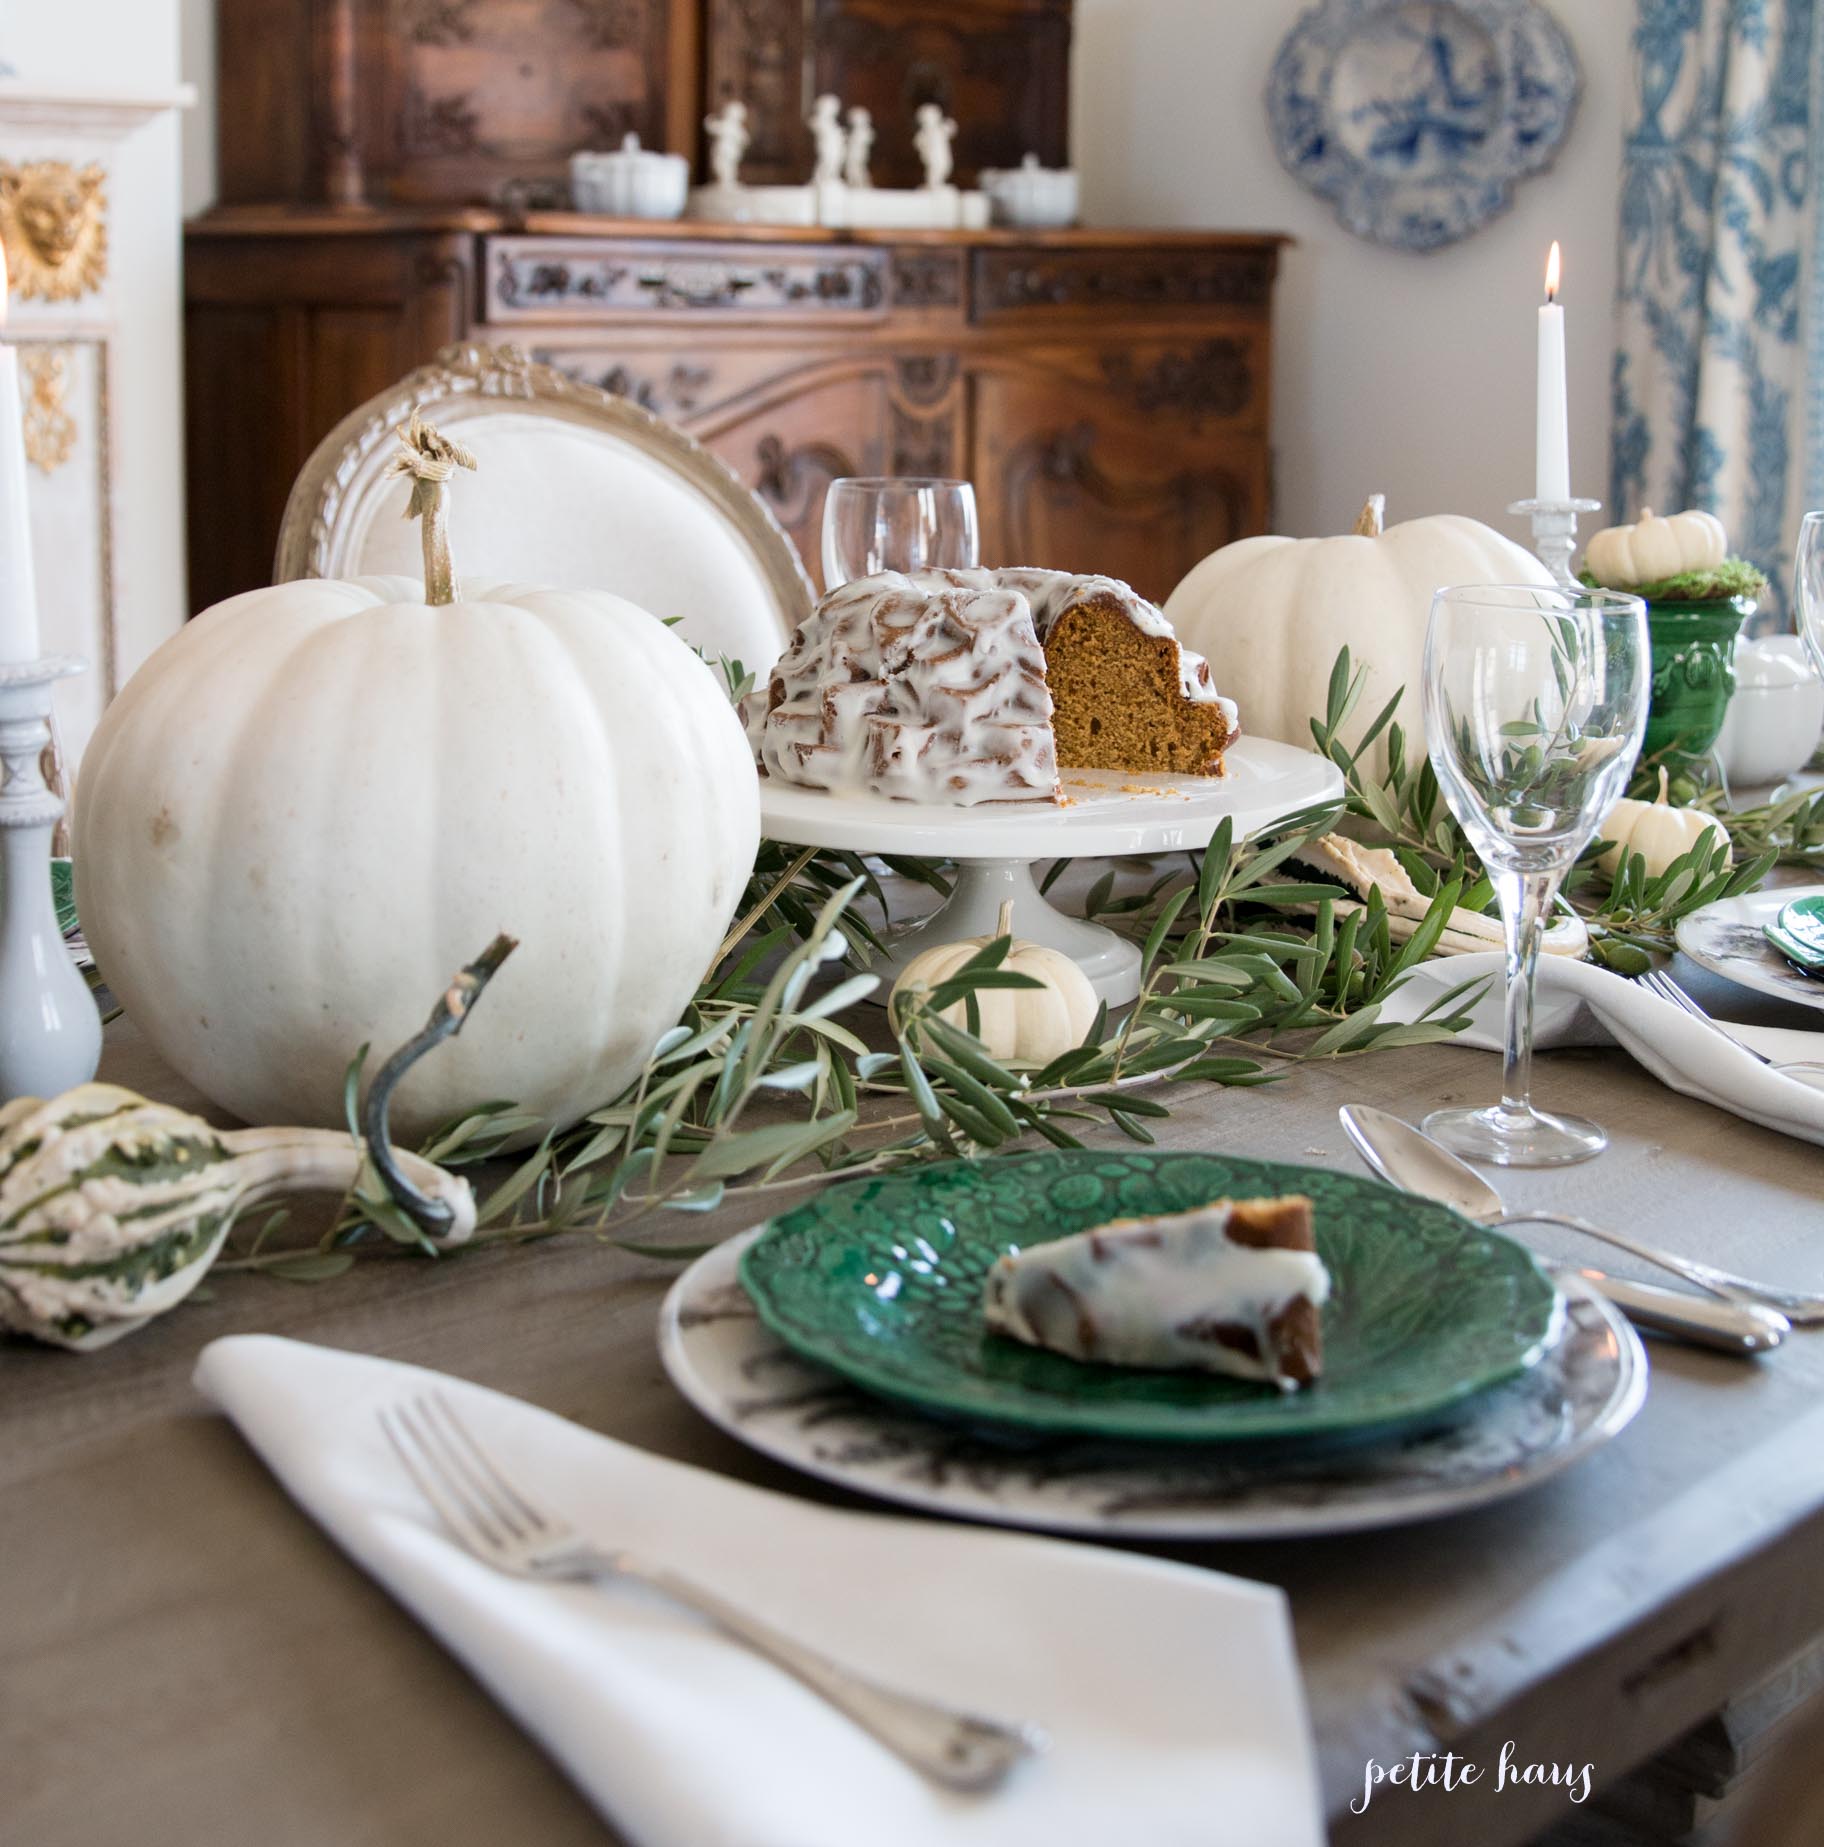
(1555, 532)
(50, 1032)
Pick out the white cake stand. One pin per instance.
(1107, 813)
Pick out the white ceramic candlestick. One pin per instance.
(50, 1032)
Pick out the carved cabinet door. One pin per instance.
(1082, 476)
(790, 443)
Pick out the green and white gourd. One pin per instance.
(112, 1208)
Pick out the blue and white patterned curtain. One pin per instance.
(1719, 365)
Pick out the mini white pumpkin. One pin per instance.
(1021, 1026)
(306, 806)
(1653, 549)
(1271, 615)
(1656, 831)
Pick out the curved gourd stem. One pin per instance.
(1369, 523)
(271, 1162)
(430, 1211)
(428, 459)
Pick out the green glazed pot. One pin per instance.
(1693, 672)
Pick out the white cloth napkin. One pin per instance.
(1581, 1004)
(1171, 1695)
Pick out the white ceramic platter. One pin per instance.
(1585, 1391)
(1107, 812)
(1726, 939)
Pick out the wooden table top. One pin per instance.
(181, 1651)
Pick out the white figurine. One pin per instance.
(861, 147)
(728, 142)
(935, 133)
(825, 123)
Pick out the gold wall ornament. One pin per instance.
(50, 430)
(53, 222)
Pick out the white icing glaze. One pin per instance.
(1147, 1292)
(931, 687)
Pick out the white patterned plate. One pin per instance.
(1726, 939)
(1585, 1391)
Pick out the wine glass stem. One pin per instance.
(1526, 903)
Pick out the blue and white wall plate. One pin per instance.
(1416, 118)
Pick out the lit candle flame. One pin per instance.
(1554, 271)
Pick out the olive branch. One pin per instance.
(765, 1086)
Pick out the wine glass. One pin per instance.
(909, 523)
(1808, 587)
(1535, 704)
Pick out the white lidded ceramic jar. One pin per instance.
(1033, 197)
(633, 182)
(1776, 713)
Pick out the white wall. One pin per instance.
(196, 53)
(1407, 374)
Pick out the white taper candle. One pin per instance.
(18, 591)
(1552, 479)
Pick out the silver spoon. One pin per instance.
(1409, 1159)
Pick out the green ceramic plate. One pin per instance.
(1798, 933)
(881, 1280)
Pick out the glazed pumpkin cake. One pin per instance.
(975, 686)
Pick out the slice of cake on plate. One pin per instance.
(961, 687)
(1232, 1287)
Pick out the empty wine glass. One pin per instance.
(907, 523)
(1535, 704)
(1808, 587)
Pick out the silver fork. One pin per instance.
(1657, 981)
(494, 1520)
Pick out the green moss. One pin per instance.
(1733, 577)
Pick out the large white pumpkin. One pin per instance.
(316, 800)
(1271, 614)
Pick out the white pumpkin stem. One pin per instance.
(1371, 522)
(1003, 925)
(1664, 788)
(428, 459)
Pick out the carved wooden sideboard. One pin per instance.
(424, 102)
(1107, 391)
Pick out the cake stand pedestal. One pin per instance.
(1107, 814)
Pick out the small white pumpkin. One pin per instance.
(1656, 831)
(1271, 615)
(1653, 549)
(307, 805)
(1020, 1026)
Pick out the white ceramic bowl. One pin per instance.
(630, 183)
(1776, 713)
(1033, 197)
